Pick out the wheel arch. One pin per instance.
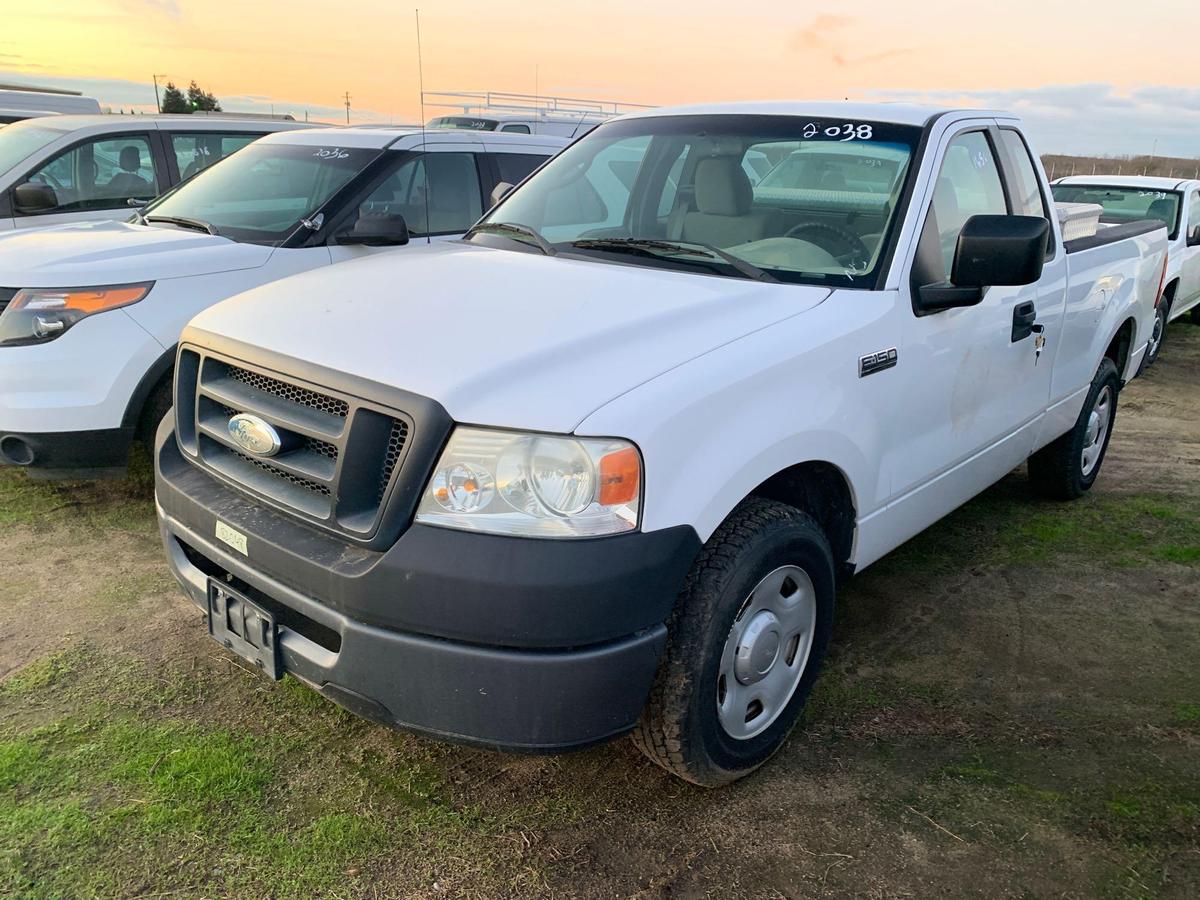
(153, 377)
(1120, 346)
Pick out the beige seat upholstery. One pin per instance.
(723, 200)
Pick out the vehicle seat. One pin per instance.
(723, 200)
(128, 183)
(1163, 210)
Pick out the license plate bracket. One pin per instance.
(241, 625)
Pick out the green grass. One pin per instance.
(123, 504)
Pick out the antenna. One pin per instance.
(424, 158)
(347, 96)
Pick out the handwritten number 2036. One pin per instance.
(847, 132)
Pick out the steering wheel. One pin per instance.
(841, 243)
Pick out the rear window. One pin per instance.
(468, 123)
(1125, 204)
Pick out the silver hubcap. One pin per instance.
(1099, 420)
(766, 652)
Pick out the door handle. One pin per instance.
(1024, 315)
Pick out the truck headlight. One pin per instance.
(37, 315)
(534, 485)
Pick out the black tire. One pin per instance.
(679, 728)
(1057, 470)
(1158, 337)
(158, 404)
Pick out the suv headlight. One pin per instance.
(37, 315)
(534, 485)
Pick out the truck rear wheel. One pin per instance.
(1067, 468)
(745, 645)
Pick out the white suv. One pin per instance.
(90, 313)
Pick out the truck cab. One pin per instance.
(609, 482)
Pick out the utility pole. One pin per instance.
(347, 107)
(157, 101)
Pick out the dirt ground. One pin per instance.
(1012, 708)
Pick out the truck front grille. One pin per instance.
(340, 456)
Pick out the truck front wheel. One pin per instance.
(745, 645)
(1067, 468)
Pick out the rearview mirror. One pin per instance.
(32, 197)
(500, 191)
(376, 230)
(992, 251)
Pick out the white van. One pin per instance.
(20, 103)
(90, 313)
(60, 169)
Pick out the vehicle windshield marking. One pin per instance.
(261, 194)
(799, 200)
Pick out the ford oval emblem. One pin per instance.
(254, 435)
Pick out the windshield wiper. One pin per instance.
(514, 228)
(184, 222)
(656, 247)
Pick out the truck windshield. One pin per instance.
(22, 139)
(677, 191)
(260, 194)
(1125, 204)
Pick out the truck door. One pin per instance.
(1189, 278)
(978, 385)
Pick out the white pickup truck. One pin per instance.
(1173, 202)
(90, 314)
(598, 467)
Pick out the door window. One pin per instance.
(967, 185)
(1193, 212)
(514, 167)
(102, 174)
(197, 151)
(444, 184)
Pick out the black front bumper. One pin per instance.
(511, 643)
(68, 454)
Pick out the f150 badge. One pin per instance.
(254, 435)
(876, 362)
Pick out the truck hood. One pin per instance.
(500, 337)
(94, 253)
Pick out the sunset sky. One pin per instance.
(1089, 77)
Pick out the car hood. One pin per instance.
(500, 337)
(93, 253)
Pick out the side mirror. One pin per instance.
(376, 230)
(32, 197)
(992, 251)
(500, 191)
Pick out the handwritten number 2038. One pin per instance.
(847, 132)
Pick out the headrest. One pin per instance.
(131, 158)
(1163, 210)
(722, 187)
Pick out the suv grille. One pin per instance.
(339, 458)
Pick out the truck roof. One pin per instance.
(198, 123)
(385, 136)
(899, 113)
(1146, 182)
